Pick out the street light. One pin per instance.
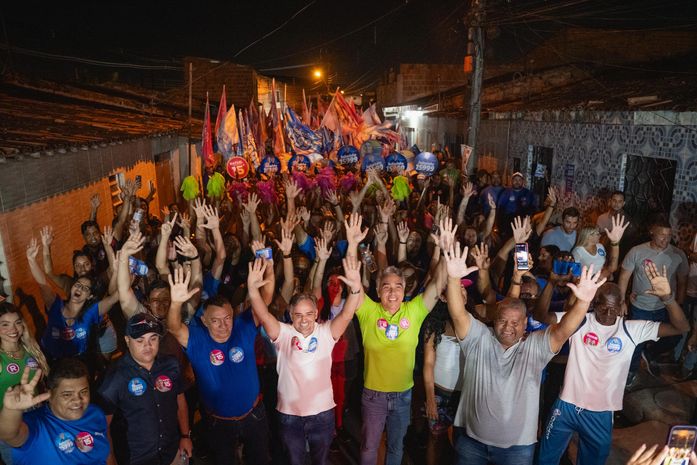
(317, 73)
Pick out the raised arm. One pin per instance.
(286, 247)
(213, 224)
(187, 249)
(251, 206)
(403, 235)
(584, 291)
(163, 246)
(467, 191)
(660, 287)
(322, 254)
(292, 191)
(521, 233)
(550, 205)
(436, 286)
(481, 258)
(38, 274)
(16, 400)
(127, 298)
(619, 225)
(95, 202)
(255, 281)
(354, 233)
(127, 193)
(179, 294)
(62, 281)
(489, 225)
(352, 279)
(456, 264)
(200, 236)
(381, 236)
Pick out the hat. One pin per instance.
(141, 324)
(517, 173)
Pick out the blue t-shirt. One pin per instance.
(55, 441)
(226, 373)
(308, 248)
(59, 339)
(557, 236)
(210, 286)
(516, 202)
(494, 191)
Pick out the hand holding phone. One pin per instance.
(521, 257)
(266, 253)
(681, 441)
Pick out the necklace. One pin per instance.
(16, 354)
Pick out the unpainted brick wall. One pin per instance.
(65, 213)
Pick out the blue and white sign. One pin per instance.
(395, 163)
(426, 163)
(347, 155)
(270, 165)
(371, 147)
(373, 161)
(299, 163)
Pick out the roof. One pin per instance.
(38, 115)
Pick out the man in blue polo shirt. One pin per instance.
(144, 391)
(66, 430)
(221, 352)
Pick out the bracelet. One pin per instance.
(402, 242)
(516, 283)
(384, 222)
(191, 259)
(355, 292)
(185, 435)
(287, 256)
(614, 244)
(669, 300)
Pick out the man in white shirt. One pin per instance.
(596, 373)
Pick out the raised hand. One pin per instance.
(355, 198)
(287, 239)
(304, 214)
(403, 232)
(332, 197)
(521, 229)
(199, 208)
(467, 189)
(95, 201)
(179, 286)
(456, 262)
(290, 222)
(252, 203)
(167, 226)
(619, 225)
(481, 257)
(245, 217)
(387, 209)
(256, 246)
(211, 216)
(107, 236)
(447, 233)
(650, 456)
(21, 397)
(33, 249)
(552, 198)
(354, 234)
(322, 249)
(292, 189)
(660, 286)
(352, 273)
(185, 221)
(134, 244)
(328, 231)
(46, 236)
(185, 247)
(381, 233)
(151, 189)
(587, 285)
(490, 200)
(255, 279)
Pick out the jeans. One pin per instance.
(252, 430)
(378, 408)
(317, 430)
(472, 452)
(637, 313)
(594, 434)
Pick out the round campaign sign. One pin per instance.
(84, 441)
(236, 354)
(136, 386)
(237, 168)
(371, 147)
(312, 345)
(299, 163)
(163, 383)
(270, 165)
(426, 163)
(65, 442)
(347, 155)
(395, 163)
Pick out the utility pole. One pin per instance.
(475, 49)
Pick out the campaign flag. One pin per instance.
(306, 112)
(279, 145)
(220, 118)
(229, 137)
(248, 142)
(303, 139)
(206, 138)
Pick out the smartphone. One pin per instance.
(266, 254)
(681, 441)
(138, 215)
(139, 179)
(137, 267)
(560, 267)
(575, 268)
(521, 257)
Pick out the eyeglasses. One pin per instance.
(82, 287)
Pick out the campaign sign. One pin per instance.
(395, 163)
(299, 163)
(347, 155)
(270, 165)
(237, 167)
(371, 147)
(373, 161)
(426, 163)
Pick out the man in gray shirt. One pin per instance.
(564, 235)
(644, 306)
(496, 421)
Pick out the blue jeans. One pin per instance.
(378, 408)
(594, 434)
(637, 313)
(316, 430)
(472, 452)
(252, 430)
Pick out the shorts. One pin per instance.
(446, 403)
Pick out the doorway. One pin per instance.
(540, 161)
(648, 187)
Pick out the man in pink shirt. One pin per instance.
(596, 373)
(304, 363)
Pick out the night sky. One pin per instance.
(355, 41)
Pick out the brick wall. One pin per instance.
(293, 93)
(210, 75)
(416, 80)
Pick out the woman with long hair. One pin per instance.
(18, 350)
(589, 251)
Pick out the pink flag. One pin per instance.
(206, 141)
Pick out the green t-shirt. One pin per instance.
(11, 370)
(390, 343)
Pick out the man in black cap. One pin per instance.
(143, 390)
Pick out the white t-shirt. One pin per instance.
(599, 361)
(304, 368)
(585, 258)
(447, 371)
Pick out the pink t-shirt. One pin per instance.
(304, 368)
(599, 360)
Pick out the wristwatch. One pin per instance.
(186, 435)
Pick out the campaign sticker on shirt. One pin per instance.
(382, 323)
(32, 363)
(590, 339)
(217, 357)
(65, 442)
(392, 332)
(404, 323)
(80, 333)
(163, 383)
(614, 344)
(136, 386)
(236, 354)
(312, 346)
(295, 342)
(13, 368)
(68, 334)
(601, 252)
(84, 441)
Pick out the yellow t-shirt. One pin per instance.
(390, 343)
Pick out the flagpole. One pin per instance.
(191, 73)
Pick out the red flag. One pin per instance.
(206, 141)
(222, 110)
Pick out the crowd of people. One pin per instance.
(255, 317)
